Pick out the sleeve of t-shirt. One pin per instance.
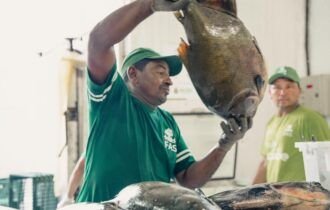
(315, 125)
(97, 93)
(184, 157)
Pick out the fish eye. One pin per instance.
(259, 82)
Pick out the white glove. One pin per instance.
(233, 131)
(168, 5)
(65, 201)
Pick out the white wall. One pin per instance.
(319, 37)
(30, 129)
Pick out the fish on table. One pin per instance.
(152, 196)
(222, 58)
(160, 195)
(170, 196)
(275, 196)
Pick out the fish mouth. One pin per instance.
(244, 103)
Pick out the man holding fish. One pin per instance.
(131, 139)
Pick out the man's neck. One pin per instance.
(139, 96)
(143, 100)
(282, 111)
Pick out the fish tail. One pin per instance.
(179, 16)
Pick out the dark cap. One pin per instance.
(284, 72)
(173, 61)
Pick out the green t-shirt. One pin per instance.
(284, 161)
(129, 142)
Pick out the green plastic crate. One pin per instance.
(32, 191)
(4, 192)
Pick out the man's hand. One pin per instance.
(168, 5)
(65, 201)
(233, 131)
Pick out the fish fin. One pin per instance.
(257, 46)
(258, 203)
(227, 5)
(179, 15)
(183, 51)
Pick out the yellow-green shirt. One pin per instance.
(284, 161)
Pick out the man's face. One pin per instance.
(284, 93)
(152, 84)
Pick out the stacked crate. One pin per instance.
(29, 191)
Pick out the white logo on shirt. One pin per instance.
(278, 156)
(169, 141)
(288, 131)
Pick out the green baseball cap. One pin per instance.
(285, 72)
(173, 61)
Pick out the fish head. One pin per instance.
(277, 195)
(223, 61)
(238, 94)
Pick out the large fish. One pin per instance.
(164, 196)
(152, 196)
(160, 195)
(222, 58)
(277, 196)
